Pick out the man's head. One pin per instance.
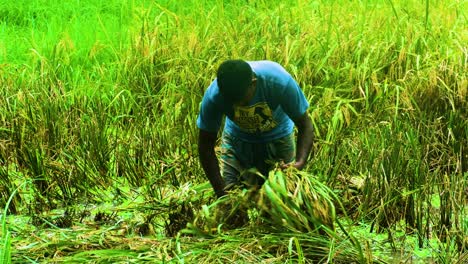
(235, 79)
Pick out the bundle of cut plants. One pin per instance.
(292, 209)
(289, 200)
(297, 201)
(226, 213)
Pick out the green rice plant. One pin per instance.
(5, 239)
(7, 189)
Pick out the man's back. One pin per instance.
(267, 116)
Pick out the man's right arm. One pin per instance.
(209, 161)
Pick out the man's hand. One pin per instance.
(297, 165)
(305, 139)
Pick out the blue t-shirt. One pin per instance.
(268, 116)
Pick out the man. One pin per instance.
(262, 103)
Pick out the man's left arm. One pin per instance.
(305, 140)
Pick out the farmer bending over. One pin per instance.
(262, 103)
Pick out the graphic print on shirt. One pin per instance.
(256, 118)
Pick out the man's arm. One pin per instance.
(209, 161)
(305, 140)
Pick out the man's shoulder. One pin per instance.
(212, 91)
(272, 72)
(212, 96)
(266, 66)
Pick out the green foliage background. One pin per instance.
(96, 95)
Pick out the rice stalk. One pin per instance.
(5, 240)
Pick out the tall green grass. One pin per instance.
(5, 239)
(98, 96)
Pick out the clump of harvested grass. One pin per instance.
(298, 201)
(284, 219)
(289, 200)
(228, 212)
